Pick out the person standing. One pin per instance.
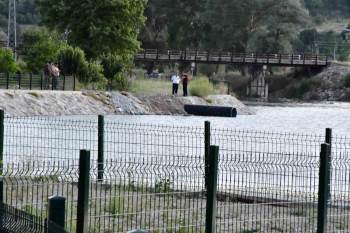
(185, 79)
(55, 76)
(176, 81)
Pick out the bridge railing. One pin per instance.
(231, 57)
(3, 44)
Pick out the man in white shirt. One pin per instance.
(175, 78)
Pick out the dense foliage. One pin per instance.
(96, 40)
(267, 26)
(104, 26)
(7, 61)
(27, 13)
(38, 47)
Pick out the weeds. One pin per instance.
(163, 186)
(201, 87)
(35, 94)
(9, 94)
(116, 206)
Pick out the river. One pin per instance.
(173, 145)
(300, 118)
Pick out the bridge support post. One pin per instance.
(257, 86)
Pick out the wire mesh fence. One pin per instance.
(339, 203)
(28, 185)
(153, 177)
(29, 139)
(268, 182)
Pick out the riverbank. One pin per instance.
(59, 103)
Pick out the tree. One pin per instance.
(7, 61)
(252, 25)
(154, 34)
(104, 26)
(184, 24)
(72, 61)
(114, 69)
(38, 47)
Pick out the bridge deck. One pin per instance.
(232, 58)
(3, 44)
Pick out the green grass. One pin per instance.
(201, 87)
(151, 87)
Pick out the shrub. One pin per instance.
(39, 46)
(7, 61)
(163, 186)
(114, 68)
(120, 82)
(347, 80)
(300, 90)
(201, 87)
(71, 60)
(91, 72)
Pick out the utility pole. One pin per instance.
(12, 27)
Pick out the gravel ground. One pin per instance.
(119, 208)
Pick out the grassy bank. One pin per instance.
(146, 86)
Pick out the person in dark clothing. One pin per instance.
(185, 80)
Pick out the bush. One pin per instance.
(39, 46)
(120, 83)
(114, 68)
(347, 80)
(201, 87)
(71, 60)
(7, 61)
(91, 72)
(300, 90)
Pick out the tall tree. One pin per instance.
(38, 47)
(154, 34)
(253, 25)
(104, 26)
(184, 22)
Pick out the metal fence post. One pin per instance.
(64, 83)
(7, 80)
(41, 80)
(100, 158)
(19, 76)
(30, 81)
(1, 201)
(323, 191)
(57, 210)
(83, 192)
(2, 119)
(73, 82)
(2, 125)
(329, 141)
(206, 150)
(210, 218)
(1, 191)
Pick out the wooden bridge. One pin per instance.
(207, 57)
(3, 44)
